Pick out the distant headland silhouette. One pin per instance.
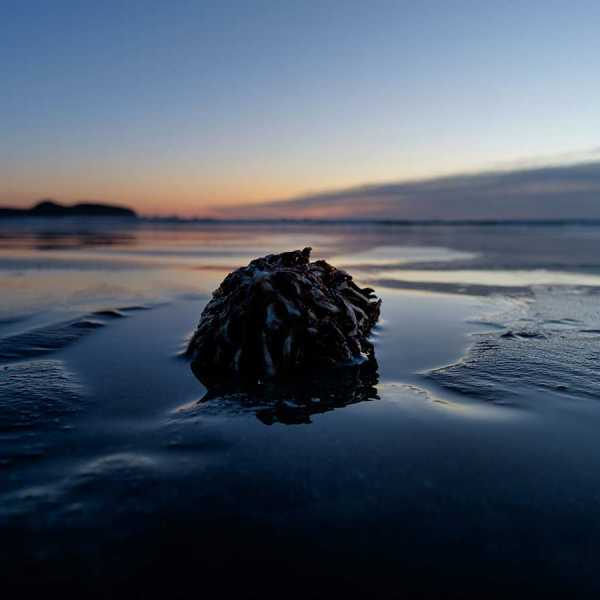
(51, 208)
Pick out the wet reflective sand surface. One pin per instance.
(466, 464)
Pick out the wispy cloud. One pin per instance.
(570, 189)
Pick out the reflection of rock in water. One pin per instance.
(293, 402)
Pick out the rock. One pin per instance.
(281, 315)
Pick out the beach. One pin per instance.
(469, 455)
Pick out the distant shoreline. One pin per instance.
(76, 218)
(50, 209)
(53, 210)
(375, 222)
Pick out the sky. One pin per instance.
(196, 108)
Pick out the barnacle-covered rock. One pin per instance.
(283, 314)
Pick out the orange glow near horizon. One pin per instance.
(186, 192)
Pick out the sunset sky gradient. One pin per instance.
(191, 107)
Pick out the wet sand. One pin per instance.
(468, 467)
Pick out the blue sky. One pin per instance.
(182, 106)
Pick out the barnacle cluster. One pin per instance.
(282, 315)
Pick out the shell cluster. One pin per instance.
(280, 315)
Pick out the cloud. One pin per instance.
(568, 191)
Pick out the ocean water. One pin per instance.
(467, 465)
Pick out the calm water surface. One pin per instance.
(467, 466)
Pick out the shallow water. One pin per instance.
(466, 466)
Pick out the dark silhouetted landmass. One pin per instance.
(50, 208)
